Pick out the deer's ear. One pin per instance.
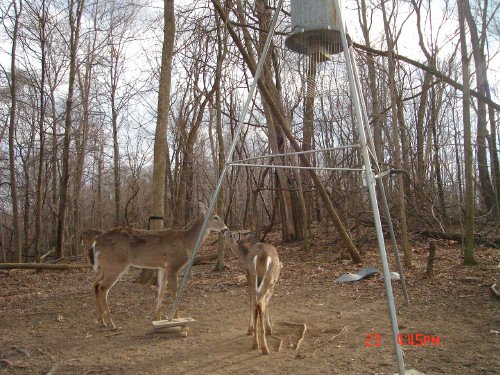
(202, 207)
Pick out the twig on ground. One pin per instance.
(280, 340)
(114, 334)
(328, 341)
(494, 290)
(6, 363)
(301, 337)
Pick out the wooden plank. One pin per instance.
(159, 324)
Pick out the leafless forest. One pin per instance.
(80, 112)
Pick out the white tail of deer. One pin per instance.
(262, 266)
(167, 250)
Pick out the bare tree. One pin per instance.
(478, 43)
(16, 241)
(75, 16)
(469, 188)
(396, 137)
(160, 143)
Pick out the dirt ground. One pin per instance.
(48, 319)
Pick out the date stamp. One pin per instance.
(374, 340)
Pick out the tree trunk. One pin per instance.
(16, 238)
(41, 121)
(81, 147)
(308, 133)
(221, 55)
(276, 137)
(116, 153)
(469, 187)
(483, 87)
(160, 144)
(376, 117)
(73, 44)
(396, 138)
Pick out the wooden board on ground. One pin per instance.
(159, 324)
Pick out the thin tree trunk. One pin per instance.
(116, 155)
(41, 161)
(469, 188)
(308, 132)
(376, 118)
(397, 148)
(53, 168)
(74, 37)
(435, 108)
(16, 238)
(221, 54)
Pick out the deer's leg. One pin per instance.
(269, 328)
(256, 314)
(109, 279)
(100, 318)
(162, 284)
(172, 285)
(262, 315)
(251, 321)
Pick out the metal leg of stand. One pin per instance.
(373, 196)
(381, 185)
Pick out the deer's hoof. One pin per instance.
(265, 351)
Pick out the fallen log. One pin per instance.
(42, 266)
(458, 237)
(203, 259)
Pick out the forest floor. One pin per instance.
(48, 320)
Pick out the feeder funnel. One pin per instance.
(315, 30)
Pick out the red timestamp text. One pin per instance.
(418, 339)
(373, 340)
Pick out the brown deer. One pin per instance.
(262, 266)
(166, 250)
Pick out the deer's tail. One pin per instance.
(93, 256)
(261, 280)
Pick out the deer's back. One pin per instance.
(129, 245)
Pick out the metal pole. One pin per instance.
(381, 187)
(236, 164)
(296, 153)
(229, 157)
(371, 189)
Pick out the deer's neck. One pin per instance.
(193, 229)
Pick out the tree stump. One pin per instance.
(430, 260)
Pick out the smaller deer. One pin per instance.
(166, 250)
(262, 267)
